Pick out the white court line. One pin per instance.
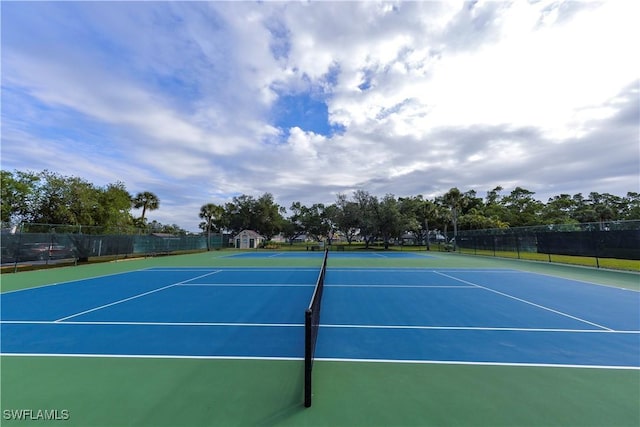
(586, 281)
(527, 302)
(417, 270)
(235, 269)
(276, 255)
(296, 325)
(392, 286)
(130, 298)
(147, 356)
(323, 359)
(402, 286)
(72, 281)
(239, 285)
(454, 362)
(131, 323)
(479, 328)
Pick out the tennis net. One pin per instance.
(311, 326)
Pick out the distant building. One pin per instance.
(247, 239)
(279, 238)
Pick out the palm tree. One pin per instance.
(454, 199)
(211, 213)
(429, 210)
(146, 201)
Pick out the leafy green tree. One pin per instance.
(212, 214)
(329, 216)
(53, 200)
(522, 208)
(157, 227)
(559, 210)
(494, 207)
(291, 230)
(18, 193)
(413, 211)
(113, 210)
(606, 206)
(366, 214)
(238, 214)
(83, 200)
(631, 210)
(66, 200)
(478, 215)
(470, 202)
(174, 229)
(316, 222)
(390, 223)
(310, 220)
(583, 211)
(269, 216)
(345, 217)
(295, 226)
(262, 215)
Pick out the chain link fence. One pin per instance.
(567, 243)
(604, 240)
(52, 243)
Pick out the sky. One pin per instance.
(199, 102)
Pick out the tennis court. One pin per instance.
(219, 339)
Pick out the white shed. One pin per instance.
(247, 239)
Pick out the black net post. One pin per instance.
(311, 326)
(308, 356)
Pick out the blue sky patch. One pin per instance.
(305, 111)
(367, 80)
(308, 110)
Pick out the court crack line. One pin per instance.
(525, 301)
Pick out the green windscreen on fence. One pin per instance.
(50, 246)
(620, 239)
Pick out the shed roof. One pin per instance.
(249, 233)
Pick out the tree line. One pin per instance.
(50, 198)
(370, 218)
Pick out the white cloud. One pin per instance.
(548, 77)
(430, 94)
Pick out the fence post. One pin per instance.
(594, 242)
(16, 252)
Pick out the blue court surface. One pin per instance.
(319, 254)
(419, 315)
